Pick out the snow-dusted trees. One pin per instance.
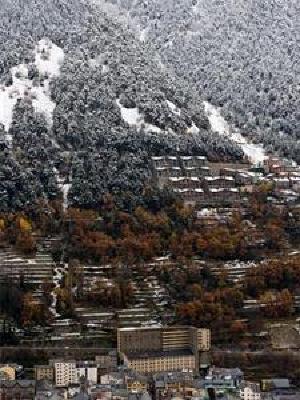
(241, 55)
(105, 68)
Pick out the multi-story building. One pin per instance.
(65, 373)
(107, 361)
(151, 362)
(44, 372)
(87, 370)
(72, 372)
(155, 349)
(163, 339)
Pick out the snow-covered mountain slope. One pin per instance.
(242, 55)
(84, 104)
(48, 59)
(255, 152)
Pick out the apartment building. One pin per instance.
(65, 373)
(155, 349)
(163, 339)
(44, 372)
(151, 362)
(72, 372)
(107, 361)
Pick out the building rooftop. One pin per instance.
(21, 383)
(281, 383)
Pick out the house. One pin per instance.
(156, 349)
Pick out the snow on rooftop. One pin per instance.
(157, 158)
(186, 158)
(216, 190)
(204, 212)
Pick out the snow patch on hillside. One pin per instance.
(255, 152)
(98, 62)
(48, 59)
(193, 129)
(65, 188)
(133, 117)
(217, 122)
(143, 35)
(105, 68)
(7, 103)
(173, 108)
(130, 115)
(64, 185)
(194, 9)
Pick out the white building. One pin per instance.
(250, 391)
(70, 372)
(65, 373)
(88, 370)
